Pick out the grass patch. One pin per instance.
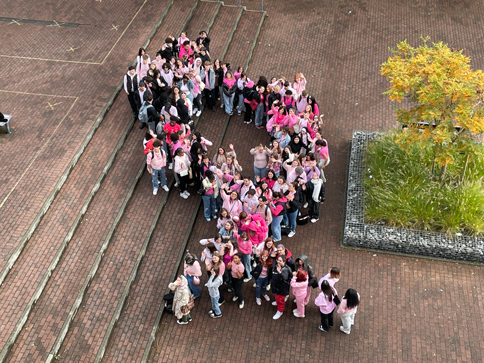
(402, 192)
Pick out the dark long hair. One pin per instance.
(352, 300)
(327, 290)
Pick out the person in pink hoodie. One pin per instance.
(278, 209)
(332, 277)
(325, 301)
(299, 84)
(299, 284)
(347, 310)
(291, 119)
(143, 67)
(245, 250)
(231, 202)
(192, 272)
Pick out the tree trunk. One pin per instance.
(465, 168)
(442, 172)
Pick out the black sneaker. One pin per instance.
(143, 125)
(181, 322)
(213, 109)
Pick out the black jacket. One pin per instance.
(310, 189)
(258, 270)
(205, 42)
(153, 116)
(229, 91)
(295, 204)
(249, 93)
(280, 282)
(272, 97)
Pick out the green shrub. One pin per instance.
(403, 192)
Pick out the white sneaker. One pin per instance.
(268, 288)
(277, 315)
(286, 298)
(343, 330)
(235, 298)
(186, 193)
(254, 265)
(198, 113)
(241, 305)
(159, 182)
(294, 312)
(255, 284)
(274, 303)
(314, 220)
(176, 185)
(247, 280)
(155, 191)
(295, 302)
(267, 297)
(258, 301)
(165, 188)
(170, 166)
(305, 205)
(291, 234)
(184, 196)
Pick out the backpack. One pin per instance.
(143, 112)
(284, 210)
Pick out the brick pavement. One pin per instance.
(221, 29)
(93, 90)
(201, 19)
(412, 309)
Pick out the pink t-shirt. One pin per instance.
(237, 268)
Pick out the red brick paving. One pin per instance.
(93, 90)
(201, 18)
(221, 30)
(412, 309)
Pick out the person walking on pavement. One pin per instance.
(325, 301)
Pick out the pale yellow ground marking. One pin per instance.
(114, 27)
(80, 62)
(14, 22)
(71, 49)
(52, 106)
(56, 24)
(45, 144)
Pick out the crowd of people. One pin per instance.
(252, 213)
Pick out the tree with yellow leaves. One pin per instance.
(439, 90)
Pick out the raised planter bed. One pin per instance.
(357, 233)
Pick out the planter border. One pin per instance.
(359, 234)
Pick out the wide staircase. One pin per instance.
(103, 259)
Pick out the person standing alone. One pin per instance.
(130, 87)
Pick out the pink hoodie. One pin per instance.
(234, 209)
(299, 289)
(245, 247)
(290, 121)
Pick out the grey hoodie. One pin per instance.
(310, 271)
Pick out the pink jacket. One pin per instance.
(299, 86)
(245, 247)
(257, 234)
(343, 308)
(325, 306)
(290, 121)
(299, 289)
(234, 208)
(193, 270)
(181, 163)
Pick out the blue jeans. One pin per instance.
(215, 307)
(246, 262)
(292, 220)
(261, 172)
(229, 103)
(260, 285)
(276, 228)
(241, 103)
(209, 205)
(154, 177)
(259, 112)
(193, 288)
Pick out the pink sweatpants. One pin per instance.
(306, 299)
(300, 305)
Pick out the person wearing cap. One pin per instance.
(204, 40)
(130, 87)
